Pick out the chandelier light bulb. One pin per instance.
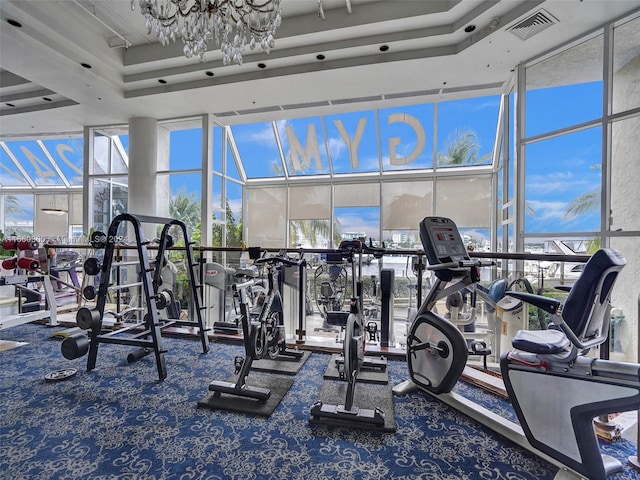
(232, 24)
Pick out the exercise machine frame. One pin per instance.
(353, 353)
(547, 371)
(263, 336)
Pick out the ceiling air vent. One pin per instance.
(533, 25)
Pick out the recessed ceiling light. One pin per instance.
(469, 28)
(320, 57)
(208, 73)
(162, 81)
(85, 65)
(262, 65)
(14, 23)
(384, 48)
(47, 99)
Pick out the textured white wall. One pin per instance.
(625, 203)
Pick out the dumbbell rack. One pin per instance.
(150, 339)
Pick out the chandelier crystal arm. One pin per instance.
(232, 24)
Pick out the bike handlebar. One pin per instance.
(281, 260)
(350, 247)
(377, 252)
(461, 264)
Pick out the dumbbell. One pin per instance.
(98, 239)
(28, 263)
(75, 346)
(138, 354)
(14, 244)
(92, 266)
(164, 299)
(28, 244)
(10, 244)
(22, 262)
(87, 318)
(10, 263)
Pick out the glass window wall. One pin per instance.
(352, 142)
(467, 131)
(406, 137)
(565, 89)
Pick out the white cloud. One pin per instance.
(259, 136)
(336, 146)
(548, 210)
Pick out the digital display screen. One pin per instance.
(445, 240)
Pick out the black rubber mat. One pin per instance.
(365, 375)
(366, 396)
(279, 387)
(283, 367)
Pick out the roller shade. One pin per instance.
(404, 204)
(266, 211)
(310, 202)
(467, 201)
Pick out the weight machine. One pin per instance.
(22, 263)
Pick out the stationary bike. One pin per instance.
(353, 351)
(270, 340)
(554, 387)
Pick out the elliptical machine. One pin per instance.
(332, 291)
(556, 390)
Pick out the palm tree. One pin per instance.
(12, 205)
(585, 202)
(462, 149)
(186, 208)
(234, 230)
(312, 230)
(582, 203)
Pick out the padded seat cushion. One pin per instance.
(338, 319)
(543, 342)
(251, 272)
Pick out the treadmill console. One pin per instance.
(441, 241)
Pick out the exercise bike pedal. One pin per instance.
(237, 364)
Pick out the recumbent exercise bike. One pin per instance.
(555, 388)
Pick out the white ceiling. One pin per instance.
(430, 56)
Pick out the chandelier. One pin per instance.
(232, 24)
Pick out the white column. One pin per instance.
(207, 180)
(143, 165)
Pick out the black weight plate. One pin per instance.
(92, 266)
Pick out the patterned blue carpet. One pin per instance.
(120, 422)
